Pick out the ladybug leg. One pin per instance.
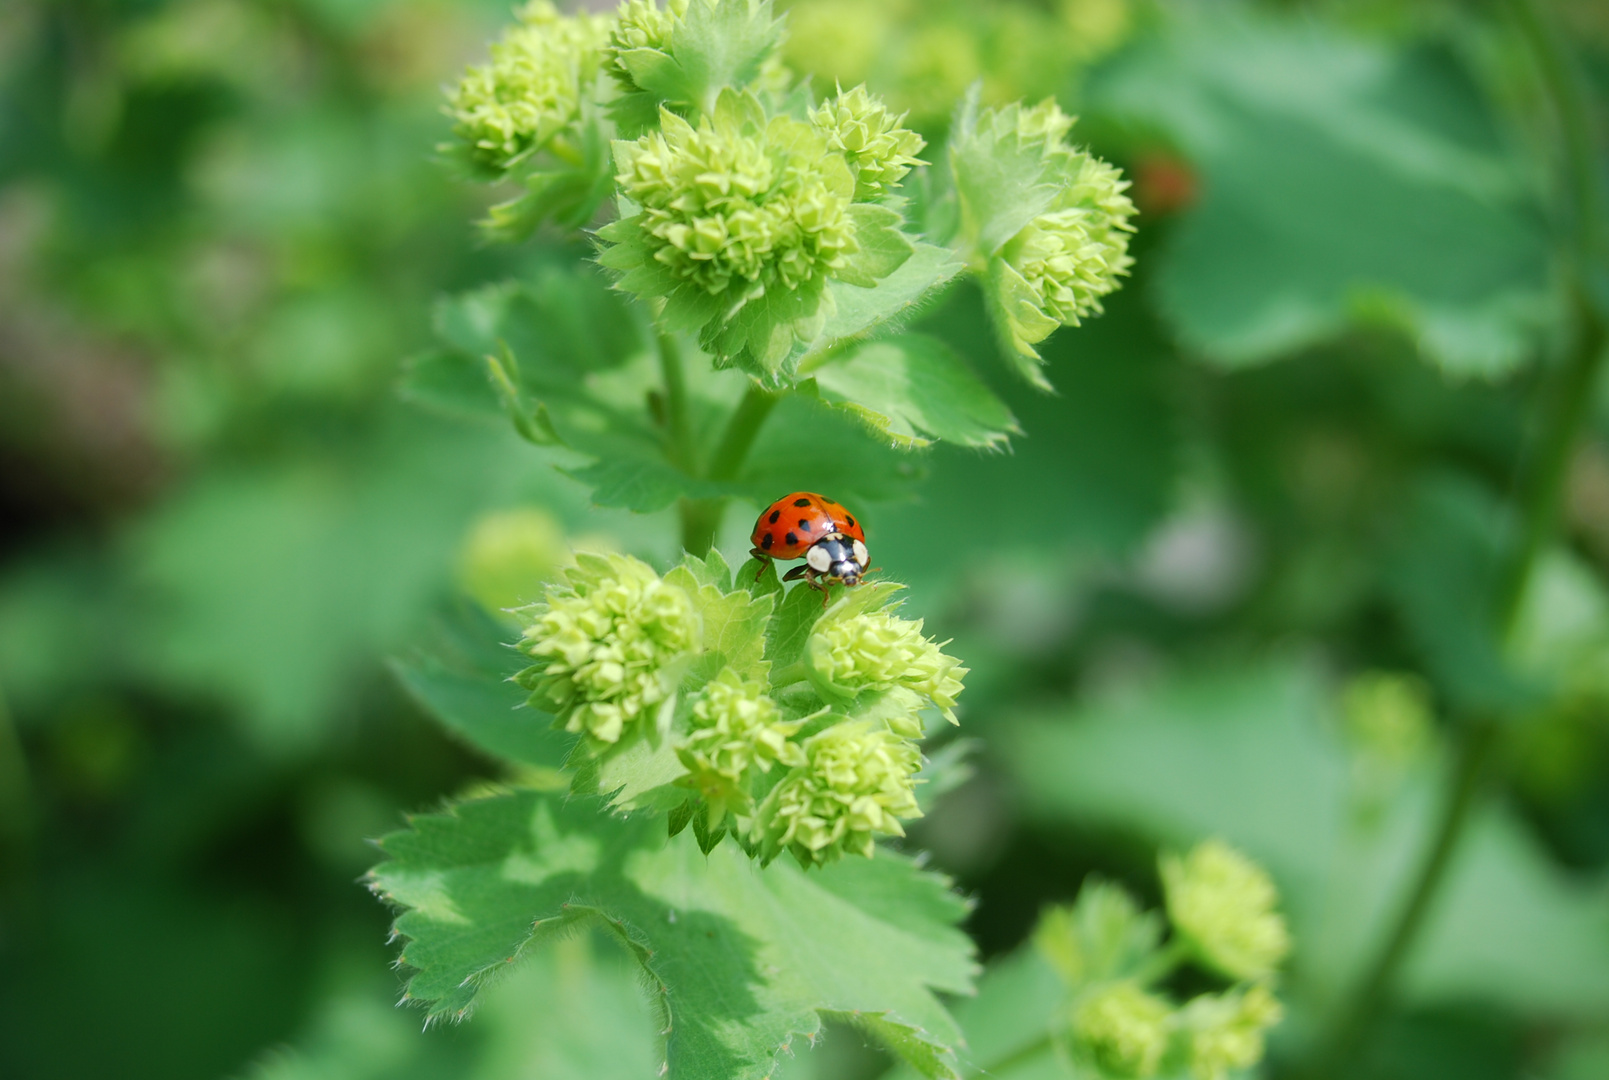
(813, 579)
(763, 559)
(798, 572)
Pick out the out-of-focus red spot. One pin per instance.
(1163, 184)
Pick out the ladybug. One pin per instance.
(828, 536)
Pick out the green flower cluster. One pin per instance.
(668, 680)
(541, 73)
(1110, 955)
(1065, 260)
(870, 137)
(1073, 256)
(1225, 1032)
(734, 731)
(734, 210)
(640, 24)
(879, 652)
(1224, 908)
(1122, 1028)
(857, 782)
(610, 645)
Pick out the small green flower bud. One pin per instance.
(1223, 905)
(1388, 717)
(857, 782)
(541, 70)
(640, 24)
(1224, 1032)
(510, 556)
(729, 210)
(1122, 1029)
(610, 646)
(877, 651)
(878, 149)
(1074, 255)
(1045, 124)
(734, 727)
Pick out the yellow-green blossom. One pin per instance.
(1224, 1032)
(857, 783)
(734, 728)
(1122, 1029)
(640, 24)
(877, 651)
(541, 71)
(1223, 906)
(1075, 254)
(871, 138)
(734, 210)
(610, 647)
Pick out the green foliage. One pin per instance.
(915, 390)
(1344, 181)
(1245, 754)
(740, 965)
(1252, 580)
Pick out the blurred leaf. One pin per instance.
(1343, 181)
(465, 683)
(738, 960)
(1247, 754)
(271, 587)
(597, 1028)
(1093, 473)
(1444, 571)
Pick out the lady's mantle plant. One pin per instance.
(760, 247)
(798, 738)
(1117, 1020)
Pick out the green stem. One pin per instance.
(702, 517)
(16, 814)
(679, 433)
(1565, 411)
(1565, 406)
(1372, 991)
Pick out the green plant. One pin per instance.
(771, 247)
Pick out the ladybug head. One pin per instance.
(839, 557)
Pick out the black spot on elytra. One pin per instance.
(851, 521)
(801, 502)
(793, 539)
(803, 524)
(774, 515)
(765, 542)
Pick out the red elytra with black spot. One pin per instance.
(787, 528)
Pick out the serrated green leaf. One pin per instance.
(1020, 998)
(1344, 182)
(913, 389)
(465, 684)
(741, 961)
(638, 776)
(883, 248)
(1002, 181)
(858, 311)
(721, 44)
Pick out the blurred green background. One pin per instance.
(1229, 582)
